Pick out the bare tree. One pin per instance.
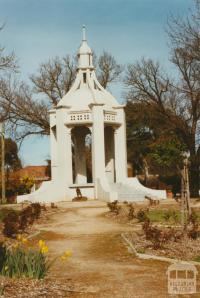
(25, 115)
(108, 70)
(185, 55)
(55, 78)
(7, 65)
(7, 62)
(178, 101)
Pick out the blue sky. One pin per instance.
(40, 29)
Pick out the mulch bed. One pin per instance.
(183, 249)
(48, 287)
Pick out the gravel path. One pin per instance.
(101, 265)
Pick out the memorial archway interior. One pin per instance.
(82, 154)
(82, 157)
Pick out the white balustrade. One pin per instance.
(109, 116)
(79, 117)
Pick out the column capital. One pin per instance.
(116, 128)
(68, 129)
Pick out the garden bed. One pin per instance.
(161, 215)
(183, 249)
(157, 230)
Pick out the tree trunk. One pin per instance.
(146, 171)
(194, 176)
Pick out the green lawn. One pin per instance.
(167, 216)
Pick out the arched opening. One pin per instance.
(81, 150)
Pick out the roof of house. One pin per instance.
(36, 172)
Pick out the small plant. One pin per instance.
(11, 224)
(131, 214)
(167, 215)
(19, 221)
(142, 215)
(194, 230)
(141, 250)
(148, 229)
(193, 233)
(114, 207)
(193, 219)
(53, 205)
(157, 236)
(174, 216)
(170, 214)
(36, 210)
(26, 217)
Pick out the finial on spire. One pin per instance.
(84, 33)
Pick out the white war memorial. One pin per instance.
(89, 113)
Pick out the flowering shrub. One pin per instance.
(26, 183)
(23, 260)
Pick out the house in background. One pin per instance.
(38, 174)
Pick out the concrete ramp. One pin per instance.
(132, 190)
(48, 192)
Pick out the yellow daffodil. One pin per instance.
(44, 249)
(6, 268)
(68, 253)
(41, 243)
(63, 258)
(24, 240)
